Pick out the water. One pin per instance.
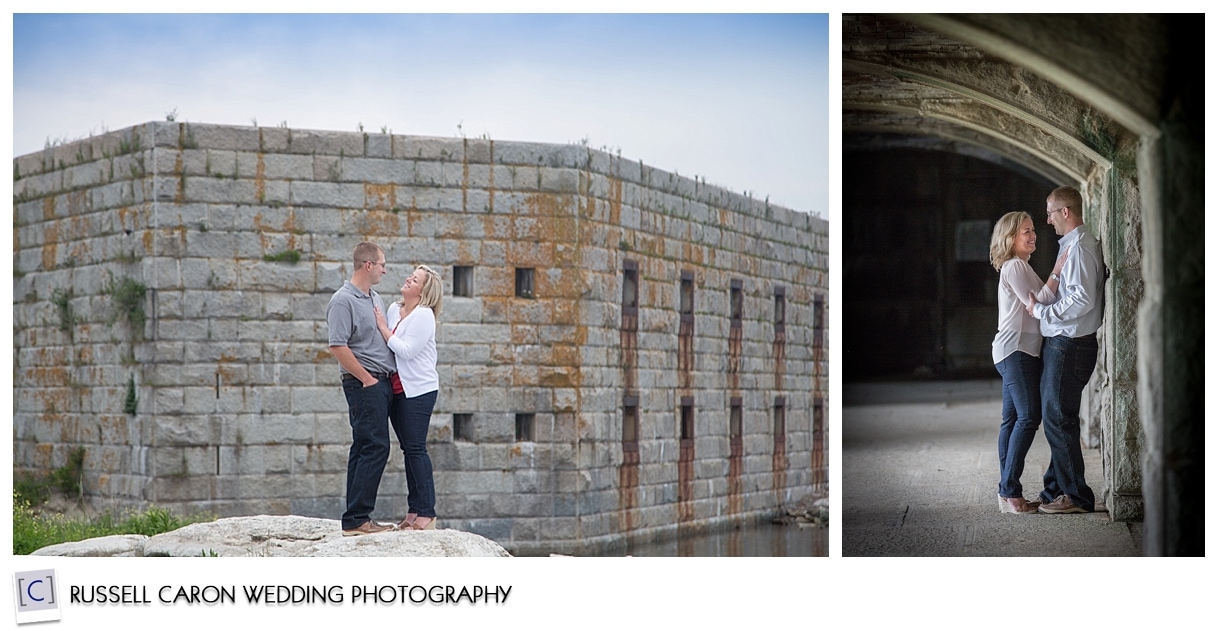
(757, 540)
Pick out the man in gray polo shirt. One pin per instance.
(366, 364)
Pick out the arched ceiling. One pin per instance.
(903, 80)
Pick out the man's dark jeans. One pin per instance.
(1068, 364)
(1020, 418)
(368, 409)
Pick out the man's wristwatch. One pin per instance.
(1055, 277)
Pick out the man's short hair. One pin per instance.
(1067, 196)
(366, 251)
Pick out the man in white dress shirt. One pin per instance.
(1069, 352)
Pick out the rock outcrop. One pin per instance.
(811, 510)
(281, 536)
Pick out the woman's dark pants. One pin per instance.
(1021, 413)
(410, 418)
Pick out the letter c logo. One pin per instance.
(30, 593)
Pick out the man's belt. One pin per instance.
(378, 375)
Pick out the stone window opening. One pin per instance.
(524, 283)
(737, 302)
(630, 288)
(687, 418)
(780, 417)
(780, 308)
(735, 424)
(630, 423)
(687, 296)
(735, 334)
(524, 427)
(463, 427)
(818, 321)
(463, 280)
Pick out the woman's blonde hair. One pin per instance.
(432, 294)
(1002, 242)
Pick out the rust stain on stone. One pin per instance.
(735, 466)
(260, 179)
(78, 202)
(124, 216)
(496, 225)
(695, 253)
(465, 177)
(50, 246)
(559, 377)
(262, 228)
(685, 481)
(44, 454)
(228, 375)
(615, 201)
(48, 208)
(628, 490)
(382, 223)
(565, 312)
(179, 196)
(549, 204)
(382, 196)
(465, 251)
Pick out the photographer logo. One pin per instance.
(37, 597)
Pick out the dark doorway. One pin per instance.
(920, 294)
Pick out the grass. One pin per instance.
(32, 531)
(62, 300)
(286, 256)
(132, 402)
(127, 302)
(67, 478)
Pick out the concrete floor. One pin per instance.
(920, 478)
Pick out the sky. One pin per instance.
(740, 100)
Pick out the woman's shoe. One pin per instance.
(407, 521)
(1016, 505)
(430, 524)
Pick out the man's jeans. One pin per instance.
(1020, 418)
(368, 409)
(411, 418)
(1068, 364)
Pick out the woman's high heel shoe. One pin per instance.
(430, 525)
(407, 521)
(1016, 505)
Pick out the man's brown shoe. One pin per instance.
(1061, 505)
(367, 528)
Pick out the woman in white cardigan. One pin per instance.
(409, 328)
(1016, 351)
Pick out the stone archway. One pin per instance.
(1099, 102)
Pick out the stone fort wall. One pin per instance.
(662, 368)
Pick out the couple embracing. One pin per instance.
(388, 365)
(1046, 350)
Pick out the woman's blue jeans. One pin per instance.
(410, 418)
(1021, 415)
